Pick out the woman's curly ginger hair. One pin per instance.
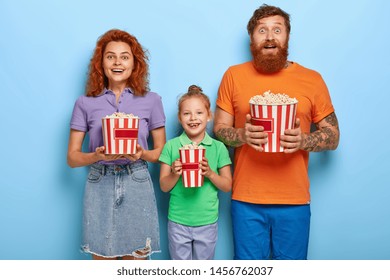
(139, 79)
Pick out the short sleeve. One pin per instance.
(79, 116)
(322, 102)
(224, 158)
(225, 93)
(157, 115)
(166, 154)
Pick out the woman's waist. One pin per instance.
(129, 168)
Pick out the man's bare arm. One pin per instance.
(326, 137)
(250, 134)
(224, 130)
(229, 136)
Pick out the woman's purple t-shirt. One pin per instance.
(88, 113)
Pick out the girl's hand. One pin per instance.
(206, 170)
(177, 167)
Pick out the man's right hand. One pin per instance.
(254, 135)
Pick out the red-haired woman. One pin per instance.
(120, 213)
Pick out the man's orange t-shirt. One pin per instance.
(273, 178)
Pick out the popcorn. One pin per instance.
(269, 98)
(121, 115)
(192, 146)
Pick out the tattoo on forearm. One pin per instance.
(325, 138)
(229, 136)
(320, 140)
(332, 120)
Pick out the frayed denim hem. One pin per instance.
(141, 253)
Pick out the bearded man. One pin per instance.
(270, 197)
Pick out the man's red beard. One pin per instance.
(269, 64)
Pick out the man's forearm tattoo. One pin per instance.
(325, 138)
(332, 120)
(229, 136)
(320, 140)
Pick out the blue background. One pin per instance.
(45, 47)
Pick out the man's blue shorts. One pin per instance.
(263, 231)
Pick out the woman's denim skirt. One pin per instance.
(120, 212)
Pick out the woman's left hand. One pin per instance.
(137, 154)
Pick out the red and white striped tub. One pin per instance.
(190, 159)
(275, 119)
(120, 135)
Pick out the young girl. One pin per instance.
(193, 212)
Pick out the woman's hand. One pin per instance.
(139, 152)
(99, 152)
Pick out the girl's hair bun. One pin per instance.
(194, 88)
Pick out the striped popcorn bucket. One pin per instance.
(190, 159)
(120, 135)
(275, 119)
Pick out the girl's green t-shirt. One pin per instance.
(195, 206)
